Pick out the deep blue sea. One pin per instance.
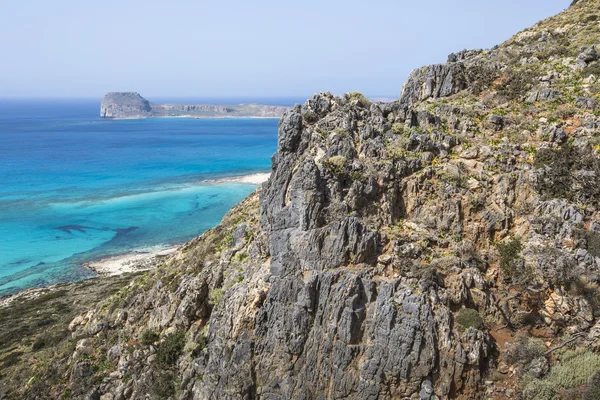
(75, 188)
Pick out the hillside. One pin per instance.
(130, 105)
(446, 245)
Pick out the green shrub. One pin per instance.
(468, 318)
(336, 165)
(148, 337)
(592, 240)
(101, 367)
(164, 385)
(523, 318)
(216, 295)
(565, 111)
(453, 177)
(398, 149)
(200, 345)
(358, 96)
(539, 390)
(592, 69)
(481, 78)
(398, 128)
(170, 349)
(43, 299)
(524, 350)
(516, 84)
(510, 253)
(11, 359)
(358, 176)
(582, 286)
(561, 174)
(38, 343)
(574, 368)
(592, 389)
(240, 256)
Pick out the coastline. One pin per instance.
(252, 179)
(113, 266)
(30, 293)
(135, 261)
(145, 259)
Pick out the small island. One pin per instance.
(130, 105)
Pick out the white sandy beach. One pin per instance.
(140, 260)
(253, 179)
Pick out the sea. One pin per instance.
(75, 188)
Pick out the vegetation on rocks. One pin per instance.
(385, 237)
(35, 343)
(469, 318)
(592, 391)
(336, 165)
(170, 349)
(571, 369)
(148, 337)
(510, 253)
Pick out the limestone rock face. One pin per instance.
(124, 105)
(464, 70)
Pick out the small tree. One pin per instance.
(510, 252)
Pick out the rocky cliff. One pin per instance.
(446, 245)
(130, 105)
(125, 105)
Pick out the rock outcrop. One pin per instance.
(130, 105)
(125, 105)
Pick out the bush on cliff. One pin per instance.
(509, 255)
(357, 96)
(592, 390)
(574, 368)
(148, 337)
(336, 165)
(468, 318)
(170, 349)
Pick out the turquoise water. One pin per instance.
(77, 188)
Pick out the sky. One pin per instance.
(198, 48)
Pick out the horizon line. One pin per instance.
(92, 97)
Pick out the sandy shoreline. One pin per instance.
(254, 179)
(140, 260)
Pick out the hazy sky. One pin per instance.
(246, 48)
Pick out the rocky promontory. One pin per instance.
(130, 105)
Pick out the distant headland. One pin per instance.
(130, 105)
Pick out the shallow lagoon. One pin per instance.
(76, 188)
